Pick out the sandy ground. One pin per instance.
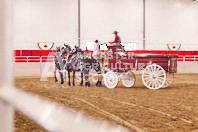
(174, 109)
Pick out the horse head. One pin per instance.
(66, 49)
(57, 49)
(75, 50)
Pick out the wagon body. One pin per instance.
(119, 60)
(157, 69)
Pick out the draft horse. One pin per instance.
(59, 63)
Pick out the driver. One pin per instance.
(117, 39)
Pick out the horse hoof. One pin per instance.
(62, 82)
(56, 80)
(69, 84)
(99, 84)
(86, 84)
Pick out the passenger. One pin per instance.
(100, 57)
(97, 52)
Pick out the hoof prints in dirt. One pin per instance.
(172, 109)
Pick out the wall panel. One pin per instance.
(171, 21)
(45, 21)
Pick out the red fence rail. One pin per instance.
(34, 59)
(48, 55)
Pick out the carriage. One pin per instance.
(157, 69)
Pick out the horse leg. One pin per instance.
(61, 75)
(81, 79)
(69, 78)
(87, 83)
(99, 82)
(97, 68)
(56, 80)
(65, 76)
(73, 78)
(99, 79)
(88, 80)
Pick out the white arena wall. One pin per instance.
(166, 21)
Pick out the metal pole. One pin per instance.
(6, 68)
(78, 22)
(144, 25)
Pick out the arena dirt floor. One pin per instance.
(174, 109)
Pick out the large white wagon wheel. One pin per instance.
(110, 79)
(169, 80)
(154, 76)
(128, 79)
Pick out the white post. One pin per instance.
(6, 69)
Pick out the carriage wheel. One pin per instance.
(111, 79)
(154, 76)
(169, 80)
(128, 79)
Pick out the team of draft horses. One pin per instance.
(76, 60)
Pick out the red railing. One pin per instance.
(43, 55)
(34, 59)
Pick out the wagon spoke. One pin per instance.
(147, 78)
(148, 81)
(162, 78)
(160, 73)
(157, 83)
(153, 84)
(154, 68)
(148, 72)
(168, 81)
(147, 75)
(160, 81)
(157, 71)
